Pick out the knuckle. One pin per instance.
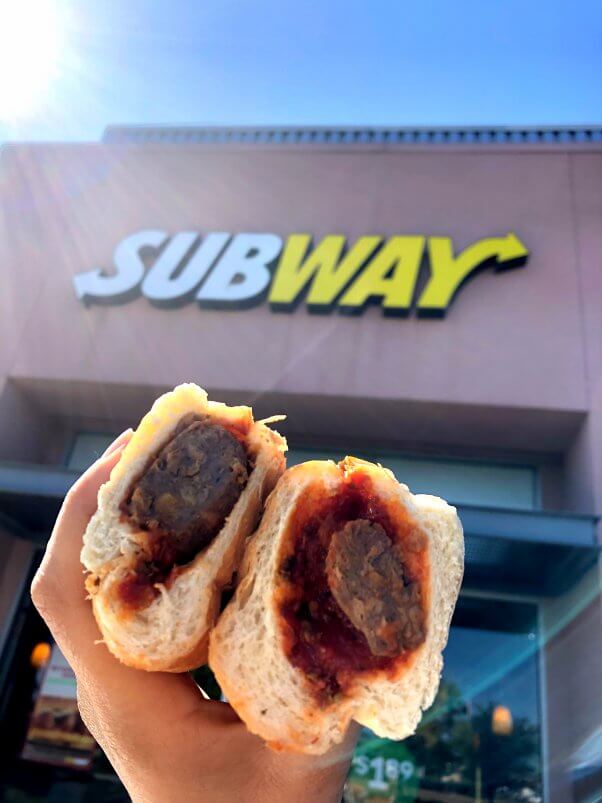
(38, 590)
(79, 500)
(44, 594)
(72, 497)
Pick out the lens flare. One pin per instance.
(30, 45)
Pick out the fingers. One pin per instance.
(268, 775)
(80, 504)
(120, 440)
(126, 703)
(332, 764)
(155, 727)
(60, 575)
(58, 589)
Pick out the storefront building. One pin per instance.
(429, 299)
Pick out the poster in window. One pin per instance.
(56, 733)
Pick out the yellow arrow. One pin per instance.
(449, 272)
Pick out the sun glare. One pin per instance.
(30, 42)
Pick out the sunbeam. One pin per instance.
(31, 37)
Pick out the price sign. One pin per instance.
(382, 771)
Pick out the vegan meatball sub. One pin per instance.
(171, 526)
(343, 609)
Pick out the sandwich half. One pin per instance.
(343, 608)
(171, 526)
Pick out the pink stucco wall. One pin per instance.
(523, 341)
(510, 339)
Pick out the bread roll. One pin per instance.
(171, 526)
(296, 668)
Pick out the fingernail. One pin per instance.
(117, 442)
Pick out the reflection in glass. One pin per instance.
(480, 741)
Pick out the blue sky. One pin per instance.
(328, 62)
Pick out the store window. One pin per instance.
(87, 447)
(479, 743)
(481, 739)
(462, 482)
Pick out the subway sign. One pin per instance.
(220, 270)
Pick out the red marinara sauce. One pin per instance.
(319, 638)
(238, 429)
(158, 563)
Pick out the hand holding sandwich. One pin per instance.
(345, 583)
(165, 740)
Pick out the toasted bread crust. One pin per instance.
(172, 633)
(247, 652)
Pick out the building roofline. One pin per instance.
(354, 135)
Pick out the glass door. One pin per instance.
(481, 740)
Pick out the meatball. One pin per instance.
(190, 487)
(366, 578)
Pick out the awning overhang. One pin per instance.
(515, 551)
